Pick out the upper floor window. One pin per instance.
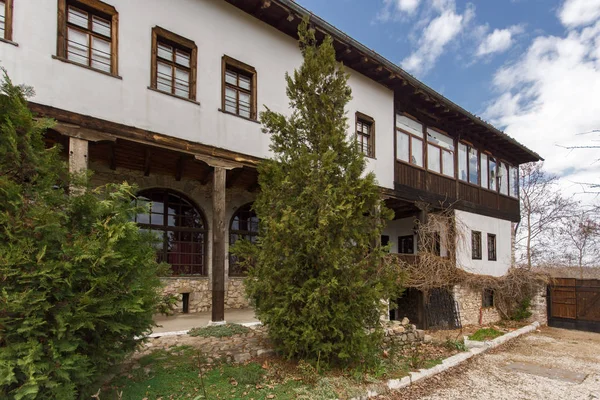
(87, 34)
(173, 64)
(503, 178)
(6, 19)
(493, 174)
(476, 245)
(491, 245)
(440, 153)
(239, 88)
(513, 181)
(406, 244)
(244, 226)
(409, 140)
(365, 135)
(468, 164)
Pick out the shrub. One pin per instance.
(317, 274)
(485, 334)
(522, 311)
(79, 279)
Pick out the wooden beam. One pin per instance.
(218, 242)
(147, 161)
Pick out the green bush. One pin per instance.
(318, 273)
(79, 279)
(522, 311)
(485, 334)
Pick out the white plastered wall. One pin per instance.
(397, 228)
(468, 222)
(218, 29)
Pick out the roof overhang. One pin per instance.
(412, 96)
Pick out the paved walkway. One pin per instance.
(184, 322)
(553, 364)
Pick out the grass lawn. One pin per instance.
(176, 374)
(485, 334)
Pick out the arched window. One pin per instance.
(244, 225)
(180, 228)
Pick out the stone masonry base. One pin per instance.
(200, 295)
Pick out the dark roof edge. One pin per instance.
(335, 32)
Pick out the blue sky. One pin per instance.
(531, 67)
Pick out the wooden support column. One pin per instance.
(78, 162)
(218, 244)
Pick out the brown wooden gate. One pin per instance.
(574, 304)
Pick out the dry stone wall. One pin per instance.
(401, 333)
(469, 304)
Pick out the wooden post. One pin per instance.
(218, 246)
(78, 161)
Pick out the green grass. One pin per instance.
(219, 331)
(485, 334)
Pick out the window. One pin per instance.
(173, 64)
(485, 181)
(440, 153)
(87, 34)
(468, 164)
(406, 244)
(239, 88)
(365, 135)
(476, 245)
(180, 230)
(514, 181)
(409, 140)
(503, 178)
(244, 226)
(487, 298)
(6, 19)
(493, 174)
(491, 245)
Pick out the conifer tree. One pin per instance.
(78, 280)
(317, 274)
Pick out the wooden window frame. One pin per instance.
(369, 121)
(100, 9)
(178, 43)
(235, 271)
(406, 237)
(441, 151)
(487, 298)
(476, 245)
(410, 144)
(8, 21)
(492, 244)
(240, 67)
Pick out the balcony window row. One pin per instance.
(429, 148)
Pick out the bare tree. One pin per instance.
(543, 207)
(580, 237)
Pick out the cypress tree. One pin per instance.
(317, 274)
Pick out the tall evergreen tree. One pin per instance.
(318, 274)
(78, 280)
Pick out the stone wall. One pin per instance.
(235, 296)
(471, 312)
(200, 295)
(539, 310)
(401, 333)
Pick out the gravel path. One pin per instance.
(487, 378)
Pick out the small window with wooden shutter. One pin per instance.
(173, 64)
(239, 88)
(87, 34)
(365, 135)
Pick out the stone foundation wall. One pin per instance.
(539, 310)
(200, 295)
(471, 312)
(235, 296)
(401, 333)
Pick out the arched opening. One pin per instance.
(243, 226)
(181, 230)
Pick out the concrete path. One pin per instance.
(553, 364)
(184, 322)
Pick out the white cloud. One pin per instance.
(394, 8)
(549, 96)
(498, 41)
(574, 13)
(436, 35)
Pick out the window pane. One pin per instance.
(231, 77)
(182, 58)
(244, 104)
(433, 158)
(100, 54)
(493, 172)
(245, 82)
(402, 145)
(484, 171)
(503, 175)
(473, 166)
(2, 18)
(417, 152)
(448, 161)
(182, 83)
(78, 17)
(514, 182)
(164, 77)
(462, 162)
(77, 49)
(230, 100)
(441, 140)
(101, 26)
(164, 51)
(409, 125)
